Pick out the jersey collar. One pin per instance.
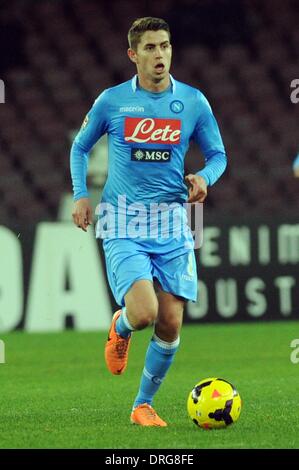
(134, 83)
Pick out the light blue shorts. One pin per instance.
(171, 261)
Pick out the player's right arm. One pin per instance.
(94, 126)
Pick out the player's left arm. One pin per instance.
(208, 137)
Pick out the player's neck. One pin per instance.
(153, 87)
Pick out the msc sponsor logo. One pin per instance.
(152, 155)
(152, 131)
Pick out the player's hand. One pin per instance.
(82, 213)
(197, 188)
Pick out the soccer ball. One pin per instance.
(214, 403)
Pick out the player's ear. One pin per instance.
(132, 55)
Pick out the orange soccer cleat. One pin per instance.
(116, 349)
(145, 415)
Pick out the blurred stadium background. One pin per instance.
(56, 57)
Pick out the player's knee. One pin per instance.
(174, 327)
(146, 315)
(169, 327)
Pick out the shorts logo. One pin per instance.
(152, 155)
(190, 269)
(176, 106)
(152, 130)
(190, 265)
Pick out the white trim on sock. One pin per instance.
(165, 344)
(125, 319)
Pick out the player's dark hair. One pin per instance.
(141, 25)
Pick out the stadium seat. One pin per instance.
(69, 63)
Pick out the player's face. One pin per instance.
(153, 55)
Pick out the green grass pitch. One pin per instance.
(56, 392)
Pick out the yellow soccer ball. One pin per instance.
(214, 403)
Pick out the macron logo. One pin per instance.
(131, 109)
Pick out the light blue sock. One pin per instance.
(158, 359)
(123, 326)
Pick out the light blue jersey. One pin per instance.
(148, 137)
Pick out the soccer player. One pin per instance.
(149, 120)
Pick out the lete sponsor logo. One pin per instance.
(153, 131)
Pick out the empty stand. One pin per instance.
(75, 49)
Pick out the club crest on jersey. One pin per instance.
(176, 106)
(150, 155)
(152, 130)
